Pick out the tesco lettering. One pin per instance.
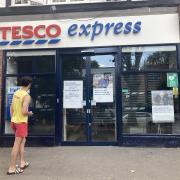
(28, 31)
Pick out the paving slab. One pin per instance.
(96, 163)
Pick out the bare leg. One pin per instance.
(14, 153)
(21, 153)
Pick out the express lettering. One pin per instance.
(93, 30)
(27, 32)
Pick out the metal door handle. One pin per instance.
(57, 100)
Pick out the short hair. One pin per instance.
(25, 81)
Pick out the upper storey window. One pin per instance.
(27, 2)
(48, 2)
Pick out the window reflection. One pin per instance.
(10, 82)
(137, 104)
(103, 109)
(102, 61)
(42, 91)
(43, 105)
(149, 58)
(21, 1)
(74, 124)
(30, 64)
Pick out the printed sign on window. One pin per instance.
(73, 94)
(103, 87)
(162, 106)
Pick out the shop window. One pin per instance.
(158, 82)
(27, 2)
(139, 92)
(42, 105)
(66, 1)
(149, 58)
(41, 67)
(12, 84)
(134, 104)
(21, 1)
(29, 62)
(18, 65)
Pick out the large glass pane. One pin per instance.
(30, 64)
(139, 91)
(103, 98)
(12, 84)
(17, 65)
(149, 58)
(42, 105)
(74, 87)
(134, 104)
(21, 1)
(158, 81)
(44, 64)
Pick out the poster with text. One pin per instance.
(162, 106)
(73, 94)
(103, 87)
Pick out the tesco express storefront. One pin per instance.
(102, 81)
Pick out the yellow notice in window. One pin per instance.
(175, 92)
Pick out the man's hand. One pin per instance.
(30, 113)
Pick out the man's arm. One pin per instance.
(25, 106)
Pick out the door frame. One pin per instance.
(59, 93)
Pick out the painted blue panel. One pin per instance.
(28, 42)
(41, 41)
(54, 41)
(14, 43)
(4, 43)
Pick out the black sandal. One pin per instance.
(17, 171)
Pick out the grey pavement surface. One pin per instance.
(96, 163)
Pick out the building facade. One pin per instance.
(104, 73)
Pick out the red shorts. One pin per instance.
(20, 130)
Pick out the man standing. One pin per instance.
(19, 123)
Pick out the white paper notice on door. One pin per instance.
(73, 94)
(103, 87)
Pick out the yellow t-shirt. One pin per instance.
(17, 102)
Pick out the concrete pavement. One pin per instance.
(96, 163)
